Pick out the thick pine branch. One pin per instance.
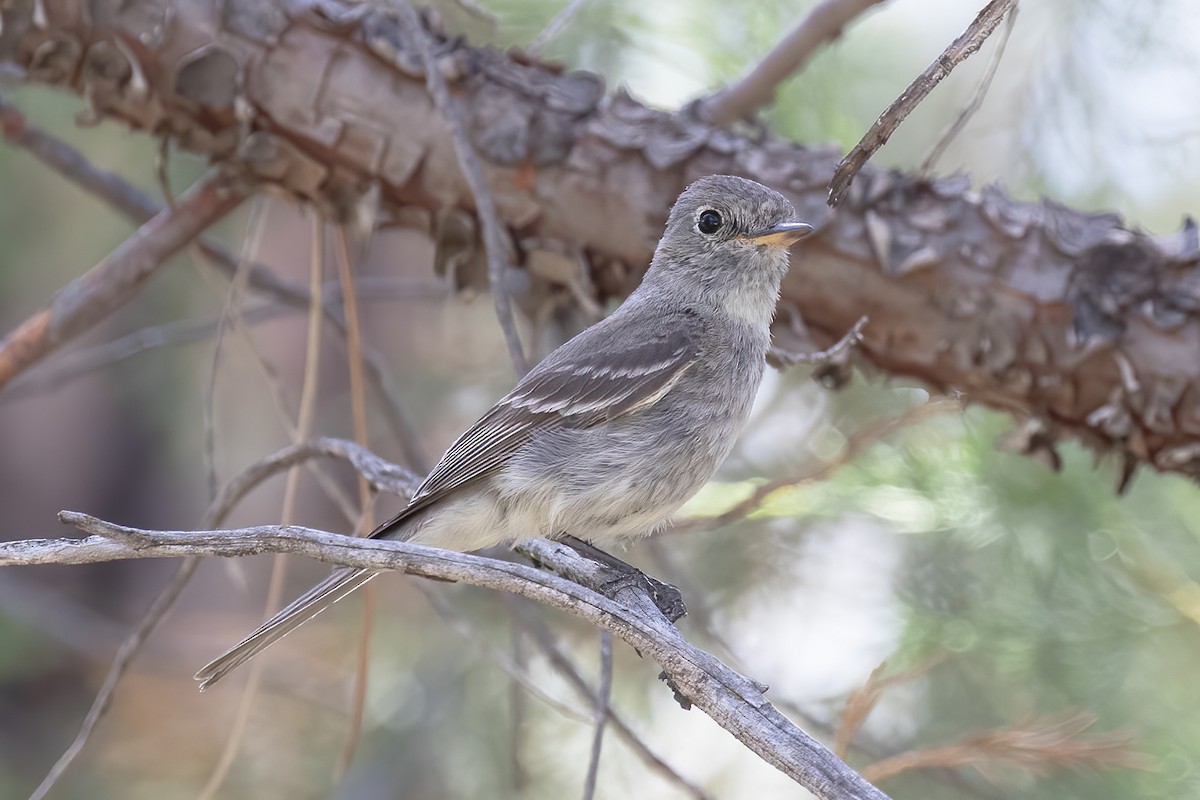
(1073, 320)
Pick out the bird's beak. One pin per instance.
(783, 234)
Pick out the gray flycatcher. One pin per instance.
(612, 432)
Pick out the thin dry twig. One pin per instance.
(509, 666)
(732, 700)
(66, 366)
(603, 698)
(985, 83)
(864, 699)
(123, 196)
(544, 638)
(855, 445)
(358, 406)
(959, 50)
(140, 207)
(384, 475)
(518, 710)
(229, 311)
(303, 429)
(219, 508)
(250, 244)
(1040, 746)
(823, 24)
(116, 278)
(495, 237)
(69, 366)
(358, 394)
(555, 26)
(778, 357)
(279, 395)
(128, 650)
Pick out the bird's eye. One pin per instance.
(710, 222)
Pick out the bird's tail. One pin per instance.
(342, 582)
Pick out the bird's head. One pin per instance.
(726, 243)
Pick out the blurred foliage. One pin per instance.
(1044, 592)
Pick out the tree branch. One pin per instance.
(877, 135)
(140, 207)
(1026, 307)
(602, 712)
(128, 650)
(126, 198)
(732, 700)
(495, 239)
(544, 638)
(105, 287)
(756, 90)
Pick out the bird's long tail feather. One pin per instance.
(342, 582)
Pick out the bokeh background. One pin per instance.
(1001, 595)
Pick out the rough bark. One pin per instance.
(1073, 320)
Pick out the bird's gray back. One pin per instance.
(625, 477)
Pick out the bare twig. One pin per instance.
(495, 237)
(387, 477)
(358, 406)
(66, 366)
(353, 356)
(732, 700)
(59, 371)
(509, 666)
(959, 50)
(779, 357)
(140, 207)
(217, 511)
(304, 424)
(105, 287)
(603, 697)
(955, 128)
(1040, 746)
(823, 24)
(518, 710)
(856, 444)
(125, 197)
(555, 26)
(125, 654)
(250, 243)
(544, 638)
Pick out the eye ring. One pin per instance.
(709, 222)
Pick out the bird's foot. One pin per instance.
(666, 597)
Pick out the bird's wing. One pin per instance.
(601, 374)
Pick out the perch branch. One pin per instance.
(732, 700)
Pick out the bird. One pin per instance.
(618, 427)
